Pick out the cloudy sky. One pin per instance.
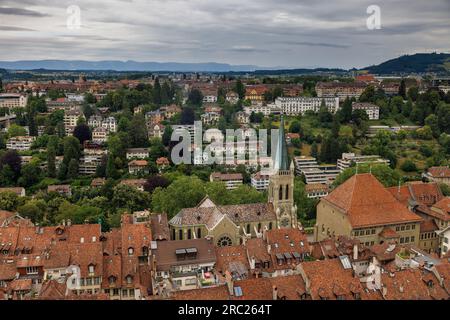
(288, 33)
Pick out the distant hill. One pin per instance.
(416, 63)
(123, 66)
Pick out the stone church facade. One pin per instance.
(233, 224)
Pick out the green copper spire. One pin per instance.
(281, 155)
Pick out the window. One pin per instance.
(89, 281)
(115, 292)
(199, 233)
(248, 228)
(130, 251)
(180, 234)
(397, 228)
(356, 233)
(373, 231)
(173, 234)
(270, 226)
(224, 242)
(131, 292)
(402, 240)
(112, 280)
(406, 239)
(287, 192)
(125, 293)
(32, 270)
(402, 228)
(259, 227)
(91, 268)
(129, 279)
(367, 232)
(412, 239)
(408, 227)
(97, 280)
(280, 193)
(190, 282)
(189, 234)
(413, 227)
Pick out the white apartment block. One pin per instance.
(265, 109)
(231, 180)
(299, 105)
(303, 162)
(20, 143)
(313, 172)
(210, 118)
(209, 98)
(137, 153)
(13, 100)
(71, 119)
(260, 181)
(350, 158)
(110, 123)
(372, 110)
(99, 135)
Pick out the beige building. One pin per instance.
(438, 174)
(364, 209)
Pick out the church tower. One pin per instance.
(281, 184)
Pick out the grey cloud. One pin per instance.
(21, 12)
(12, 28)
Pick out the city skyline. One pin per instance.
(265, 33)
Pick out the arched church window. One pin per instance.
(287, 192)
(280, 193)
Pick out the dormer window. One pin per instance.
(81, 240)
(112, 280)
(129, 279)
(91, 268)
(130, 251)
(94, 239)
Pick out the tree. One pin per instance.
(432, 122)
(345, 113)
(130, 198)
(111, 170)
(71, 149)
(187, 116)
(30, 175)
(138, 134)
(184, 192)
(402, 89)
(72, 169)
(413, 93)
(240, 89)
(408, 166)
(314, 150)
(195, 97)
(154, 182)
(9, 201)
(82, 132)
(11, 159)
(386, 175)
(15, 130)
(34, 209)
(167, 136)
(295, 127)
(51, 161)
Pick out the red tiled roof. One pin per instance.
(367, 203)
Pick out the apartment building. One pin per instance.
(100, 135)
(438, 174)
(372, 110)
(13, 100)
(317, 190)
(260, 180)
(313, 172)
(137, 153)
(349, 159)
(342, 90)
(21, 143)
(231, 180)
(71, 118)
(300, 105)
(265, 109)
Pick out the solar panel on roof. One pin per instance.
(238, 292)
(345, 262)
(296, 255)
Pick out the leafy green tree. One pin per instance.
(34, 209)
(187, 116)
(72, 169)
(432, 122)
(11, 159)
(138, 135)
(15, 130)
(9, 201)
(82, 132)
(111, 170)
(184, 192)
(408, 166)
(402, 89)
(51, 161)
(386, 175)
(30, 175)
(246, 194)
(240, 89)
(314, 150)
(130, 198)
(195, 97)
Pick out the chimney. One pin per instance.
(64, 222)
(355, 252)
(268, 248)
(159, 218)
(229, 280)
(69, 222)
(274, 293)
(401, 289)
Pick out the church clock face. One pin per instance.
(284, 222)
